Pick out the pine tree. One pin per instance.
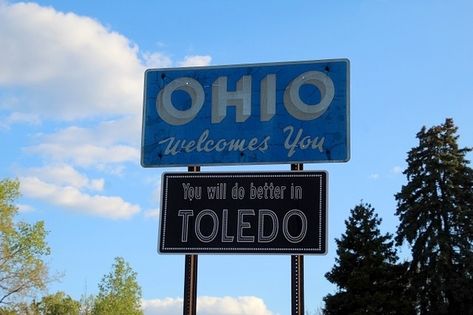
(435, 209)
(368, 278)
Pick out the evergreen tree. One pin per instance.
(435, 209)
(368, 279)
(119, 292)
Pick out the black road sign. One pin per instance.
(244, 213)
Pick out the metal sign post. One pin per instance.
(297, 273)
(190, 275)
(190, 285)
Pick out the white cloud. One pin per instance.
(87, 154)
(70, 197)
(65, 175)
(17, 117)
(157, 60)
(195, 60)
(246, 305)
(167, 306)
(152, 213)
(104, 133)
(109, 143)
(73, 68)
(207, 305)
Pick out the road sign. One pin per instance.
(295, 112)
(257, 213)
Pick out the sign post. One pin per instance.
(297, 273)
(190, 275)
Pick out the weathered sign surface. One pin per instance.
(270, 212)
(247, 114)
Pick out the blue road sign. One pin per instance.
(294, 112)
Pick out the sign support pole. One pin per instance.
(297, 273)
(190, 275)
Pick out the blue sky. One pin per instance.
(71, 88)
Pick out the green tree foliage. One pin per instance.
(368, 279)
(55, 304)
(435, 209)
(20, 308)
(58, 304)
(22, 249)
(7, 311)
(119, 292)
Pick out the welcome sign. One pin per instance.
(295, 112)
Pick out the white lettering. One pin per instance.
(225, 237)
(169, 112)
(302, 111)
(268, 97)
(291, 144)
(198, 232)
(266, 232)
(174, 146)
(222, 98)
(262, 238)
(267, 191)
(285, 225)
(244, 225)
(191, 193)
(185, 214)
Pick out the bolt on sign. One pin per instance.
(265, 213)
(293, 112)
